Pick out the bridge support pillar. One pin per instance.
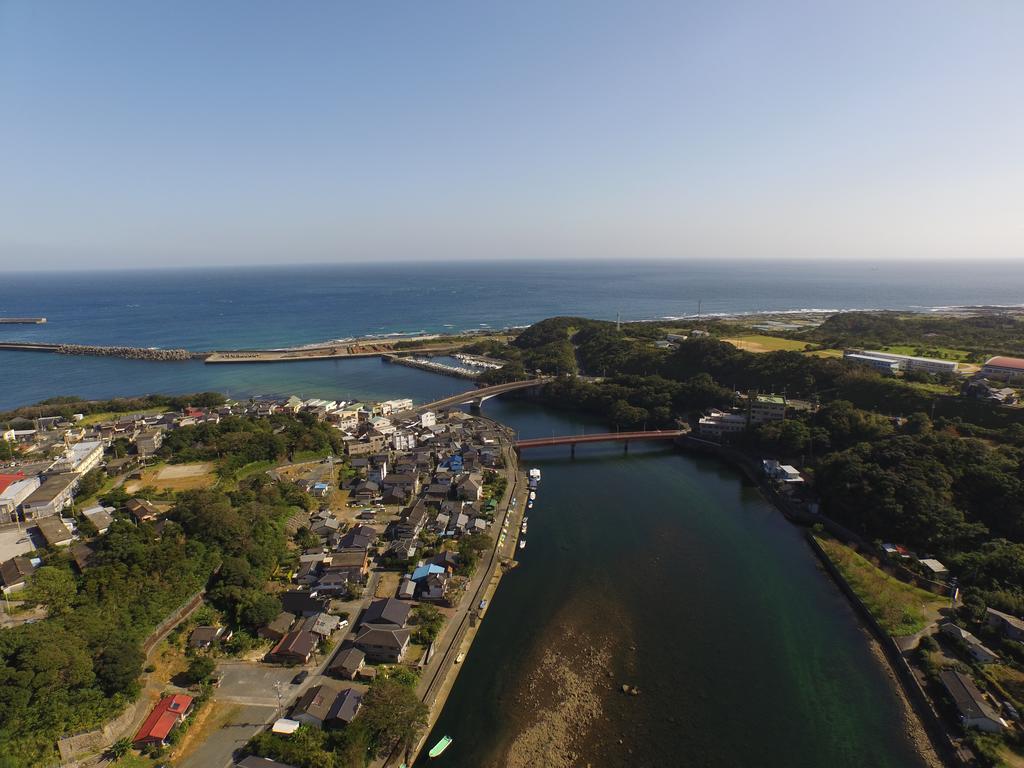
(572, 450)
(625, 446)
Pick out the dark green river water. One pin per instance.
(713, 605)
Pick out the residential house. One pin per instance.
(348, 663)
(100, 517)
(14, 573)
(142, 510)
(434, 587)
(54, 531)
(401, 549)
(386, 612)
(295, 648)
(321, 625)
(81, 554)
(384, 645)
(407, 589)
(975, 711)
(308, 573)
(366, 490)
(1010, 626)
(149, 441)
(471, 488)
(345, 707)
(165, 716)
(302, 603)
(314, 706)
(979, 652)
(204, 637)
(122, 465)
(278, 628)
(335, 581)
(356, 558)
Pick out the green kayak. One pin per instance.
(440, 747)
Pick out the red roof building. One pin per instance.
(8, 480)
(161, 721)
(1009, 368)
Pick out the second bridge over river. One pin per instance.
(599, 437)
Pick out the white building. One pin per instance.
(382, 425)
(1004, 368)
(428, 419)
(718, 424)
(882, 364)
(911, 363)
(765, 408)
(975, 711)
(81, 457)
(394, 406)
(403, 441)
(13, 495)
(785, 473)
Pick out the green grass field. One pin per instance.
(900, 608)
(755, 342)
(944, 353)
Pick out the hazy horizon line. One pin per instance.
(872, 262)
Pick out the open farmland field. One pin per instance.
(176, 477)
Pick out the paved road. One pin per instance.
(218, 750)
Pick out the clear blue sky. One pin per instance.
(155, 133)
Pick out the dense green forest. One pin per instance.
(80, 666)
(236, 440)
(982, 335)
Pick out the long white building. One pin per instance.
(911, 363)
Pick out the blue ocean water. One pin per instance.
(291, 305)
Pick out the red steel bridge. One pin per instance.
(603, 437)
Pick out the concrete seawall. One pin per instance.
(916, 696)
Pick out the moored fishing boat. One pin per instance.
(441, 746)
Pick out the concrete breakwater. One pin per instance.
(131, 353)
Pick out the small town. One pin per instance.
(397, 528)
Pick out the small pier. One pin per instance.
(423, 363)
